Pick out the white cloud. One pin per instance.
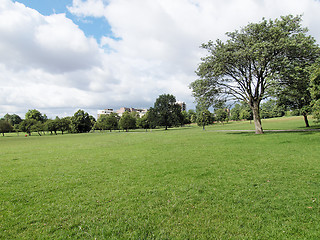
(48, 62)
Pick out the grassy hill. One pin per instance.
(178, 184)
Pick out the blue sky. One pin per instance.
(59, 63)
(91, 26)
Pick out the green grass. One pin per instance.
(283, 123)
(177, 184)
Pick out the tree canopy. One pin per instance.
(250, 63)
(166, 111)
(81, 122)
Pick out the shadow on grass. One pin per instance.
(273, 132)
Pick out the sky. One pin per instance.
(58, 56)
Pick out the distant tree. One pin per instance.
(152, 118)
(64, 124)
(12, 119)
(81, 122)
(192, 116)
(36, 115)
(185, 118)
(107, 122)
(27, 124)
(52, 125)
(127, 121)
(235, 112)
(204, 118)
(167, 111)
(271, 109)
(38, 127)
(221, 115)
(144, 122)
(5, 127)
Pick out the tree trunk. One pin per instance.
(256, 118)
(305, 116)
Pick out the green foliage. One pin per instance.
(221, 115)
(241, 111)
(144, 122)
(204, 118)
(246, 66)
(271, 109)
(107, 122)
(166, 111)
(315, 90)
(127, 121)
(64, 124)
(12, 119)
(81, 122)
(52, 125)
(192, 116)
(27, 124)
(38, 127)
(36, 115)
(5, 127)
(235, 112)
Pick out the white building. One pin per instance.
(108, 111)
(105, 112)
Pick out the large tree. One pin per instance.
(249, 63)
(315, 90)
(292, 89)
(167, 111)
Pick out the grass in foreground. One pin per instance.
(188, 184)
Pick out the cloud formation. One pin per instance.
(48, 63)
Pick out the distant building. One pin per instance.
(105, 112)
(120, 111)
(182, 105)
(138, 110)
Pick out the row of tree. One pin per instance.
(165, 113)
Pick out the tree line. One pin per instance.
(165, 113)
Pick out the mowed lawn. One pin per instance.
(178, 184)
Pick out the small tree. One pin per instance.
(204, 118)
(221, 115)
(127, 121)
(64, 124)
(52, 125)
(12, 119)
(192, 116)
(167, 111)
(81, 122)
(5, 127)
(38, 127)
(26, 125)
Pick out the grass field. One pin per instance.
(178, 184)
